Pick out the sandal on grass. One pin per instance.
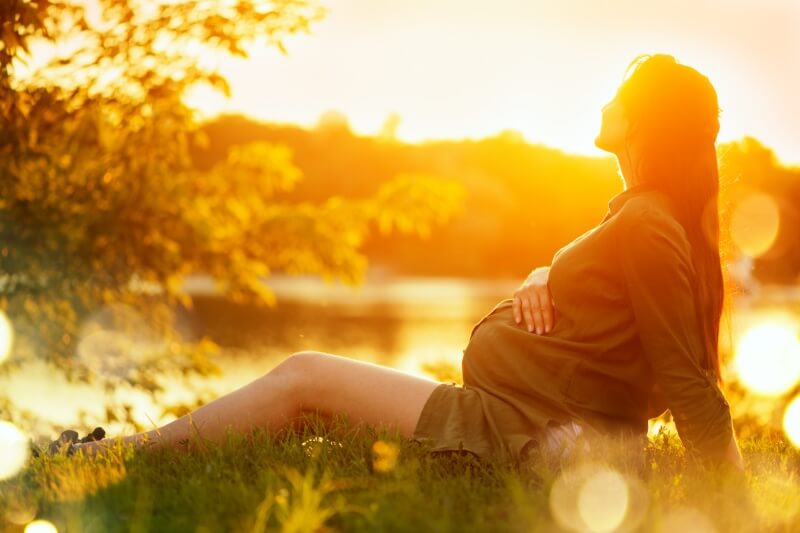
(65, 444)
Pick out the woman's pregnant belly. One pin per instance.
(504, 357)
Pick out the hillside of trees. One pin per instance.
(523, 201)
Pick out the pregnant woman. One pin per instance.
(620, 327)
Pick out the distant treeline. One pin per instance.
(523, 201)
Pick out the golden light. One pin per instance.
(14, 449)
(791, 421)
(687, 519)
(754, 224)
(659, 426)
(431, 361)
(6, 337)
(776, 499)
(767, 359)
(603, 500)
(596, 497)
(41, 526)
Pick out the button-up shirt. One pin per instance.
(625, 323)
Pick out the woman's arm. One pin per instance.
(654, 256)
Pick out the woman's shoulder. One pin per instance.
(652, 210)
(650, 218)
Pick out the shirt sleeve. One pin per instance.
(656, 264)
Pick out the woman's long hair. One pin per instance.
(673, 112)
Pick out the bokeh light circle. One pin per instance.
(14, 449)
(755, 223)
(592, 496)
(767, 359)
(20, 512)
(791, 421)
(603, 500)
(41, 526)
(117, 340)
(6, 337)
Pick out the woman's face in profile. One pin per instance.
(613, 127)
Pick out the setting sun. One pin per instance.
(452, 69)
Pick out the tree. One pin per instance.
(103, 212)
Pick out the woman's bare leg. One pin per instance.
(302, 383)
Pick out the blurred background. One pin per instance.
(190, 191)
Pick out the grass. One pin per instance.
(347, 478)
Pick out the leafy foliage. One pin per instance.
(102, 211)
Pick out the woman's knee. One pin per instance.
(297, 372)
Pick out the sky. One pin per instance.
(461, 68)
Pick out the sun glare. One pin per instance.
(767, 359)
(208, 101)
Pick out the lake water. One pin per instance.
(403, 323)
(417, 325)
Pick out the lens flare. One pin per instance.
(6, 337)
(767, 359)
(754, 224)
(791, 421)
(40, 526)
(13, 449)
(603, 500)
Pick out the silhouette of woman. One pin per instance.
(622, 325)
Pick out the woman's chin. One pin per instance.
(604, 145)
(600, 143)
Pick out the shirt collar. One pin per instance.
(616, 202)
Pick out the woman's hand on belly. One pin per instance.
(533, 303)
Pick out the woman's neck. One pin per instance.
(626, 169)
